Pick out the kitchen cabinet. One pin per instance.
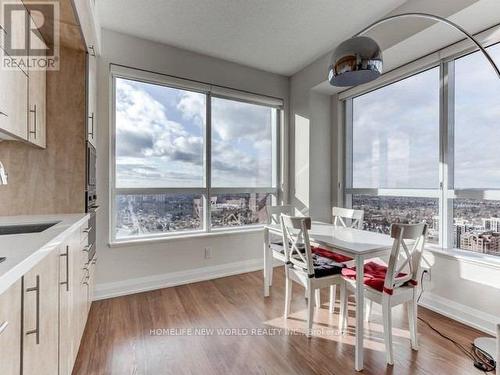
(66, 349)
(10, 328)
(40, 318)
(73, 302)
(43, 315)
(13, 103)
(37, 107)
(23, 94)
(91, 97)
(14, 83)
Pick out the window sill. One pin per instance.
(185, 236)
(492, 261)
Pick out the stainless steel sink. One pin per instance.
(25, 228)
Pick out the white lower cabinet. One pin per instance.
(10, 328)
(40, 322)
(73, 295)
(43, 315)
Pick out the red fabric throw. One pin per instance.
(339, 258)
(374, 276)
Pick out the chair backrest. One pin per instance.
(274, 213)
(340, 214)
(296, 238)
(405, 257)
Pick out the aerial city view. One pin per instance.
(476, 223)
(139, 215)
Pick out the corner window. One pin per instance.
(177, 171)
(393, 153)
(426, 149)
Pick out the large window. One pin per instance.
(175, 170)
(426, 149)
(394, 153)
(476, 156)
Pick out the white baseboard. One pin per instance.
(143, 284)
(464, 314)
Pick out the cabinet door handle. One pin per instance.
(3, 114)
(87, 248)
(35, 125)
(66, 255)
(88, 230)
(91, 132)
(36, 331)
(3, 326)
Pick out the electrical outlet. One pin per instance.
(427, 275)
(208, 252)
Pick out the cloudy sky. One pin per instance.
(159, 139)
(396, 137)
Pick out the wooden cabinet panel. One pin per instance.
(14, 103)
(37, 107)
(10, 330)
(91, 99)
(66, 347)
(40, 317)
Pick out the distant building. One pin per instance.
(486, 242)
(492, 224)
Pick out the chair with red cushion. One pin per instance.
(347, 218)
(395, 283)
(306, 265)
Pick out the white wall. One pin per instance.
(310, 144)
(146, 266)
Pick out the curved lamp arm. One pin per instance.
(436, 18)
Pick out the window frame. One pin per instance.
(120, 72)
(445, 192)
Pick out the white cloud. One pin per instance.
(153, 150)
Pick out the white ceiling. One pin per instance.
(279, 36)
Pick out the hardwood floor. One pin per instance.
(148, 334)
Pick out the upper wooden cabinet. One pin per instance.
(23, 94)
(10, 328)
(91, 98)
(13, 103)
(37, 107)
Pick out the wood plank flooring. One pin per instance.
(149, 334)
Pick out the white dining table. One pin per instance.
(356, 243)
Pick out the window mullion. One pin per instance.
(208, 163)
(446, 154)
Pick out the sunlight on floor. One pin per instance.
(325, 326)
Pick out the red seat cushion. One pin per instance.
(374, 276)
(339, 258)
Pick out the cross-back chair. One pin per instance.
(304, 267)
(395, 283)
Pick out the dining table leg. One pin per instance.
(360, 302)
(267, 262)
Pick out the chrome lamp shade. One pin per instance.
(355, 61)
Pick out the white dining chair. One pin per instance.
(305, 267)
(393, 284)
(274, 217)
(347, 218)
(276, 244)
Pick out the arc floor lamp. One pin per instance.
(359, 60)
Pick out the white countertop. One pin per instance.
(24, 251)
